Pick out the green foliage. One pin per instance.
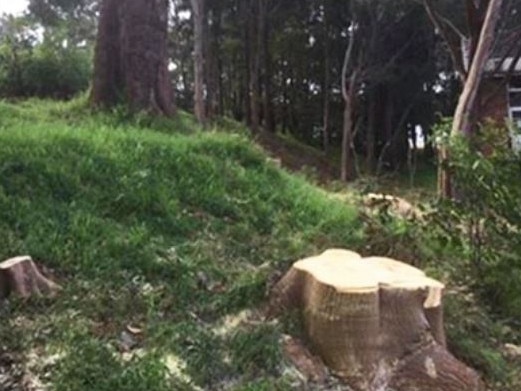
(48, 68)
(440, 242)
(485, 219)
(473, 335)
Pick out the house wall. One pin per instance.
(493, 101)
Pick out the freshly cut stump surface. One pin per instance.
(376, 322)
(19, 276)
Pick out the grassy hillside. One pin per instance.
(156, 226)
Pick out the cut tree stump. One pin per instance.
(376, 322)
(19, 276)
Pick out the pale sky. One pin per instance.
(13, 6)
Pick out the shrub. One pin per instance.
(485, 219)
(45, 70)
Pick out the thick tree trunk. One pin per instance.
(376, 322)
(131, 60)
(199, 33)
(20, 277)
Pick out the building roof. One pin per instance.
(500, 66)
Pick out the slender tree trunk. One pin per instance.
(186, 87)
(347, 170)
(393, 141)
(269, 119)
(255, 60)
(371, 132)
(348, 94)
(199, 32)
(219, 69)
(213, 62)
(389, 128)
(467, 102)
(246, 17)
(131, 60)
(327, 82)
(464, 122)
(209, 90)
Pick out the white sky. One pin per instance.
(13, 6)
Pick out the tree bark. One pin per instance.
(371, 131)
(245, 11)
(131, 60)
(348, 94)
(376, 322)
(199, 33)
(327, 82)
(255, 60)
(467, 102)
(20, 277)
(347, 172)
(463, 118)
(269, 118)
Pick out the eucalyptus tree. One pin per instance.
(131, 56)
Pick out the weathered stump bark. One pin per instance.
(19, 276)
(376, 322)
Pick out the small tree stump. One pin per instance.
(21, 277)
(376, 322)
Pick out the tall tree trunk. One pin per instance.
(199, 33)
(371, 131)
(348, 167)
(245, 13)
(269, 119)
(465, 111)
(131, 60)
(213, 61)
(255, 60)
(348, 94)
(327, 82)
(389, 129)
(467, 101)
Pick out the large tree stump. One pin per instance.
(376, 322)
(20, 276)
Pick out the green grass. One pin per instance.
(139, 219)
(157, 224)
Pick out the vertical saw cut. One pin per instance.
(376, 322)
